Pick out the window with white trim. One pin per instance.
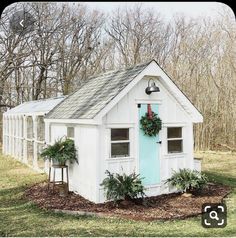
(70, 132)
(120, 143)
(174, 140)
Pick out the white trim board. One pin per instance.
(73, 121)
(148, 101)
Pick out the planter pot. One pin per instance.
(56, 162)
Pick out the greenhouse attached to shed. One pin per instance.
(103, 117)
(24, 131)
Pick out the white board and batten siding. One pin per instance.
(125, 115)
(82, 175)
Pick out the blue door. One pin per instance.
(149, 161)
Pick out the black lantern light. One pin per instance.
(152, 88)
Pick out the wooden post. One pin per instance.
(16, 138)
(3, 135)
(25, 159)
(21, 136)
(13, 136)
(7, 133)
(47, 141)
(10, 136)
(35, 139)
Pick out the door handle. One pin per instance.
(159, 142)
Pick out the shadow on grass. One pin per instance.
(11, 195)
(221, 179)
(20, 217)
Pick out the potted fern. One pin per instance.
(60, 152)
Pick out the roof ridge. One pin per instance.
(107, 73)
(120, 69)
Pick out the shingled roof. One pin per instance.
(95, 94)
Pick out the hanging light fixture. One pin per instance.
(151, 88)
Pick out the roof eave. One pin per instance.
(73, 121)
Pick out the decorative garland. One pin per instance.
(150, 123)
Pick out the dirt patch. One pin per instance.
(163, 207)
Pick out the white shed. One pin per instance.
(103, 118)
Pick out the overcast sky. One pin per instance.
(168, 9)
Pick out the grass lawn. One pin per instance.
(21, 218)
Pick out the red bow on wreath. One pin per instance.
(149, 111)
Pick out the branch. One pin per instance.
(6, 105)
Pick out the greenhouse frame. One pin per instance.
(24, 131)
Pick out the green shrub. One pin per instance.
(119, 187)
(187, 180)
(61, 151)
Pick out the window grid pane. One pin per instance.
(174, 132)
(119, 134)
(120, 149)
(175, 146)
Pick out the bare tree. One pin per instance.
(78, 44)
(12, 54)
(139, 35)
(71, 43)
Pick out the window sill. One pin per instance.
(119, 158)
(170, 155)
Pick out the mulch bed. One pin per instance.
(163, 207)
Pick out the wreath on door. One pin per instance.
(150, 123)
